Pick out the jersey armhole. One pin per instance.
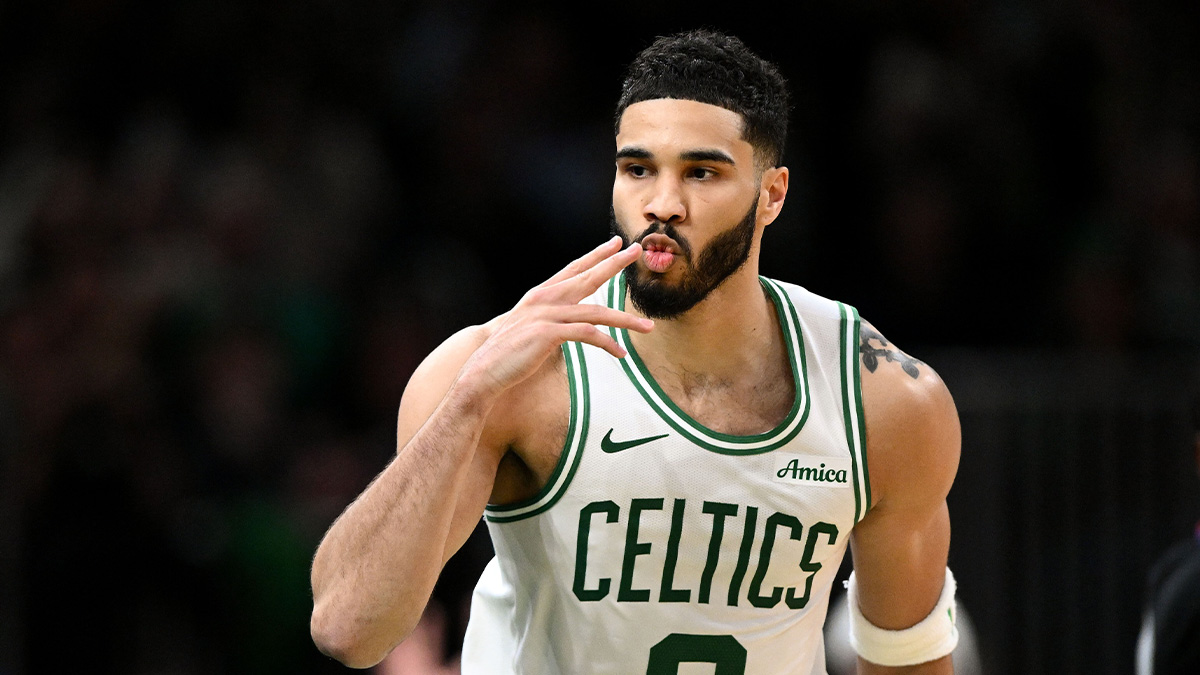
(852, 408)
(572, 451)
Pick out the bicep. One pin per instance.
(422, 397)
(900, 552)
(899, 563)
(900, 548)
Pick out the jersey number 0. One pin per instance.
(723, 650)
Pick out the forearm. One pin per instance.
(376, 567)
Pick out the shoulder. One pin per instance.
(912, 428)
(439, 371)
(808, 304)
(434, 377)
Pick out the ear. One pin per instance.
(771, 193)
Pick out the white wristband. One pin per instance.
(932, 638)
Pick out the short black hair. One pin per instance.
(718, 69)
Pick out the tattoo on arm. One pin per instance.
(871, 355)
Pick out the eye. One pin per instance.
(701, 173)
(636, 170)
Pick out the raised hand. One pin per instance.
(550, 314)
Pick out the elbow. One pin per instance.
(336, 640)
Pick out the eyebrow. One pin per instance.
(700, 155)
(634, 153)
(706, 155)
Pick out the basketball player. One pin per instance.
(672, 453)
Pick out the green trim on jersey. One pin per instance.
(852, 409)
(689, 428)
(568, 460)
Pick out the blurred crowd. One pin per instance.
(229, 231)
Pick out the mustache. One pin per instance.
(659, 227)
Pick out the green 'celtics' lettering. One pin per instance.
(596, 559)
(724, 651)
(719, 511)
(764, 559)
(807, 563)
(739, 573)
(581, 548)
(669, 594)
(634, 548)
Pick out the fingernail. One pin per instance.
(648, 323)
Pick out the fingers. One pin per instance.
(589, 334)
(582, 323)
(551, 313)
(557, 299)
(589, 280)
(599, 315)
(583, 276)
(585, 262)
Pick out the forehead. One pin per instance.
(668, 125)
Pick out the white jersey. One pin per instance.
(659, 542)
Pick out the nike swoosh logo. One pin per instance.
(608, 445)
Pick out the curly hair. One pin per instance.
(718, 69)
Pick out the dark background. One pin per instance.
(230, 230)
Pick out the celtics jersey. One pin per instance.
(659, 545)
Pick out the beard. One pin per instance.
(724, 255)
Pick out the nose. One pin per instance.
(666, 202)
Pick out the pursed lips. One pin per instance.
(660, 251)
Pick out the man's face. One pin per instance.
(724, 255)
(688, 190)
